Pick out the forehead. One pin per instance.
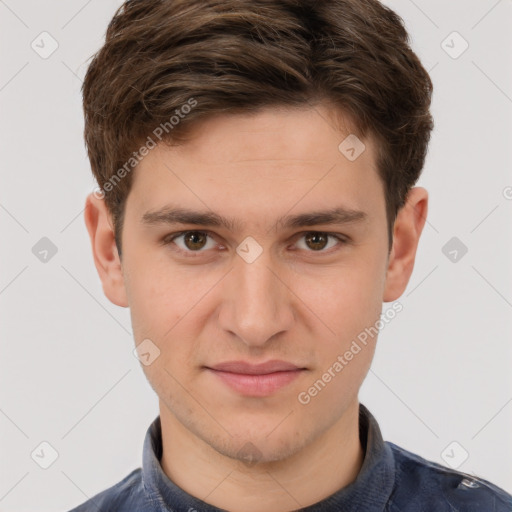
(263, 163)
(306, 134)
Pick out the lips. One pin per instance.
(243, 367)
(256, 380)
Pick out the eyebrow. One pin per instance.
(176, 215)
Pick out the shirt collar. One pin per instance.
(368, 493)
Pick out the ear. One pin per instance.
(106, 258)
(406, 235)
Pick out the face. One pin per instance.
(252, 304)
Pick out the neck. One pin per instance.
(324, 466)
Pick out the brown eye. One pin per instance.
(195, 240)
(316, 241)
(190, 242)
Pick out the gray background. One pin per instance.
(68, 376)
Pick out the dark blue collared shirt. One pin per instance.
(391, 479)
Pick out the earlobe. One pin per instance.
(407, 231)
(106, 257)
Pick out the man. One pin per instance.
(256, 162)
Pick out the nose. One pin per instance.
(257, 305)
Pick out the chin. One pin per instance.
(260, 447)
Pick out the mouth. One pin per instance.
(256, 380)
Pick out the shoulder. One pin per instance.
(124, 496)
(423, 485)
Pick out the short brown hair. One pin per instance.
(236, 56)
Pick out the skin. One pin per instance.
(293, 303)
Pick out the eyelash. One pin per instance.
(170, 238)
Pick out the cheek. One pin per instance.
(351, 304)
(169, 307)
(344, 299)
(159, 293)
